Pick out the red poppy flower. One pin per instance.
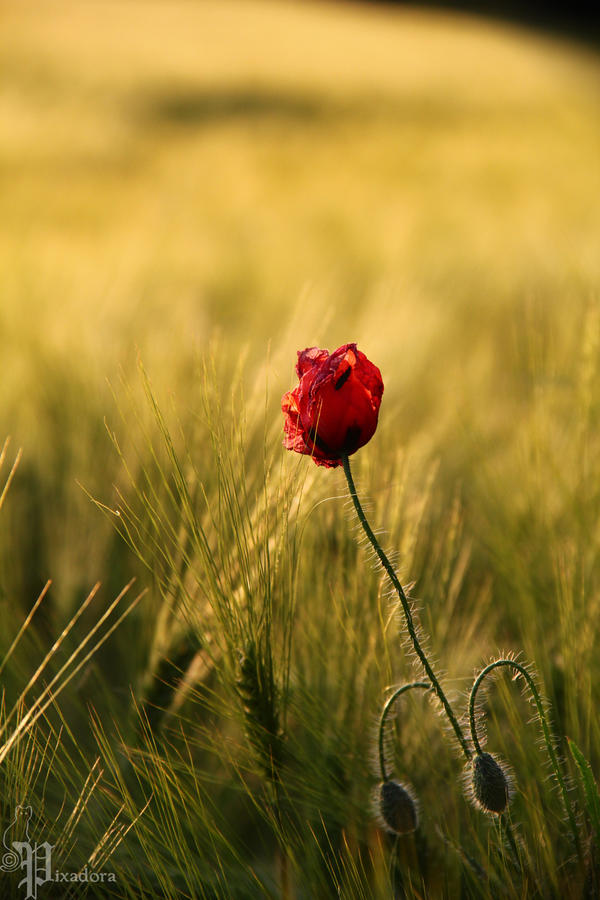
(334, 409)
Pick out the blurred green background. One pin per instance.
(281, 174)
(242, 179)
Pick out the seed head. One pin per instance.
(397, 808)
(258, 693)
(490, 784)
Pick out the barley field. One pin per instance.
(192, 191)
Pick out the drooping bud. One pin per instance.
(490, 784)
(397, 808)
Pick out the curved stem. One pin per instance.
(406, 608)
(511, 663)
(384, 714)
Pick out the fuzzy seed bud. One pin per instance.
(490, 784)
(397, 808)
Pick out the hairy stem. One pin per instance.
(436, 686)
(384, 714)
(512, 664)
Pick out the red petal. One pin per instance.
(309, 358)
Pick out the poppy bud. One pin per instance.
(333, 411)
(397, 808)
(490, 784)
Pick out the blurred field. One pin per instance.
(182, 180)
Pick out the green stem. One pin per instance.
(384, 714)
(511, 663)
(406, 608)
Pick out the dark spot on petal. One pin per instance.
(352, 439)
(318, 441)
(343, 378)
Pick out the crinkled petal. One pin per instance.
(334, 409)
(309, 359)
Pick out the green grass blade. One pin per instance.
(588, 782)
